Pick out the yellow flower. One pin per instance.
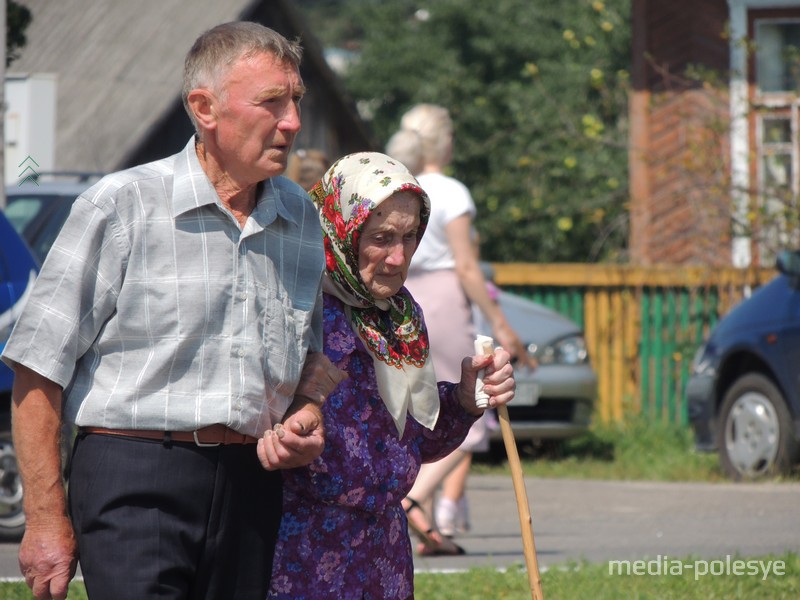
(612, 182)
(564, 223)
(569, 35)
(570, 162)
(596, 74)
(516, 213)
(589, 41)
(606, 26)
(598, 6)
(531, 69)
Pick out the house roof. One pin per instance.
(119, 67)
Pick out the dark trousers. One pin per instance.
(172, 520)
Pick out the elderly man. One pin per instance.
(171, 323)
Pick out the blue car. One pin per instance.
(744, 391)
(18, 270)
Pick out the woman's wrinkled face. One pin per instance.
(388, 241)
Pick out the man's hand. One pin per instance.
(319, 378)
(295, 442)
(48, 558)
(48, 552)
(498, 380)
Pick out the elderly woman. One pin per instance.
(344, 532)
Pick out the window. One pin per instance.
(778, 55)
(777, 178)
(775, 89)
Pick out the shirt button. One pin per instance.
(241, 352)
(243, 296)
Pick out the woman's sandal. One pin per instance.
(432, 543)
(443, 549)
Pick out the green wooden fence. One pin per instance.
(643, 325)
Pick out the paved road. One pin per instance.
(603, 520)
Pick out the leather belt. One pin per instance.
(213, 435)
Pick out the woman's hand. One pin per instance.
(508, 338)
(319, 378)
(498, 380)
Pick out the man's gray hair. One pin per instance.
(218, 49)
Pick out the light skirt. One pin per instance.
(448, 317)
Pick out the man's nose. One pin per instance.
(290, 119)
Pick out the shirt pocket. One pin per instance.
(285, 343)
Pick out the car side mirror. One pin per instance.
(788, 262)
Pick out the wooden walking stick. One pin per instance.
(528, 544)
(485, 345)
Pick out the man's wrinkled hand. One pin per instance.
(295, 442)
(48, 558)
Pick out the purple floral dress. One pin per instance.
(344, 533)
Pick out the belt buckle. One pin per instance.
(200, 444)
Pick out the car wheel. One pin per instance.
(755, 437)
(12, 518)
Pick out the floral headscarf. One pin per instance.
(392, 329)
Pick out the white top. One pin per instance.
(449, 200)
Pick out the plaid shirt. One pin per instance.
(155, 310)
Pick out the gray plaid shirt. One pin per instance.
(155, 310)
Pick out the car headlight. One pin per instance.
(566, 351)
(703, 358)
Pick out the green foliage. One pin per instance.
(636, 449)
(18, 17)
(538, 93)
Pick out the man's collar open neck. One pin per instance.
(233, 194)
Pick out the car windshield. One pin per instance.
(21, 210)
(38, 218)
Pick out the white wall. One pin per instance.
(30, 121)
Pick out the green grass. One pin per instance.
(578, 581)
(633, 450)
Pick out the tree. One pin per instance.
(538, 95)
(18, 18)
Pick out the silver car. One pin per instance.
(556, 400)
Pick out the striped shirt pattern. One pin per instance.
(156, 310)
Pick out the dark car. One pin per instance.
(18, 270)
(37, 210)
(744, 391)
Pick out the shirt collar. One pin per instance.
(192, 189)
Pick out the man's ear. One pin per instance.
(202, 104)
